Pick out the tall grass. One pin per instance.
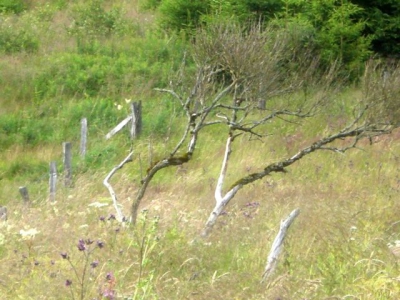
(336, 248)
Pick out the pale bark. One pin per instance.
(67, 160)
(82, 147)
(117, 128)
(119, 216)
(52, 181)
(277, 245)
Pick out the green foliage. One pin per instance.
(91, 20)
(245, 10)
(187, 15)
(17, 37)
(25, 128)
(12, 6)
(109, 70)
(336, 29)
(181, 14)
(383, 25)
(37, 170)
(150, 4)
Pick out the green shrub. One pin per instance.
(150, 4)
(109, 72)
(91, 20)
(12, 6)
(336, 30)
(22, 167)
(181, 14)
(17, 37)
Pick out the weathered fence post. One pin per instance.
(24, 193)
(67, 160)
(3, 213)
(261, 104)
(82, 148)
(136, 127)
(53, 180)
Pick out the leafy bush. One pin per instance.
(181, 14)
(12, 6)
(109, 71)
(35, 169)
(91, 20)
(335, 28)
(17, 37)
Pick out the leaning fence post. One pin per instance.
(82, 148)
(53, 180)
(67, 151)
(24, 193)
(136, 127)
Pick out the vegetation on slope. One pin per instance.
(63, 61)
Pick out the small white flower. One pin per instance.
(98, 204)
(119, 106)
(128, 101)
(28, 234)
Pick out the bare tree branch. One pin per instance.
(277, 245)
(127, 159)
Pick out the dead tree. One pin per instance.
(238, 68)
(256, 62)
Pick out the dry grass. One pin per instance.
(336, 248)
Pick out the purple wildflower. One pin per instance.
(94, 264)
(81, 245)
(36, 263)
(111, 217)
(109, 276)
(68, 282)
(102, 218)
(109, 294)
(64, 255)
(100, 244)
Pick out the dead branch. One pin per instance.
(127, 159)
(277, 245)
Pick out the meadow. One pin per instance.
(62, 61)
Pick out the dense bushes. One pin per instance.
(346, 30)
(12, 6)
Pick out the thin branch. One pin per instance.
(127, 159)
(174, 94)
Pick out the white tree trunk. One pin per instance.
(221, 200)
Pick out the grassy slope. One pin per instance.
(337, 246)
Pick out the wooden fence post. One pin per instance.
(53, 180)
(24, 193)
(261, 104)
(67, 160)
(82, 148)
(136, 127)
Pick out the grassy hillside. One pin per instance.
(62, 61)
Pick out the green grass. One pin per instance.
(337, 247)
